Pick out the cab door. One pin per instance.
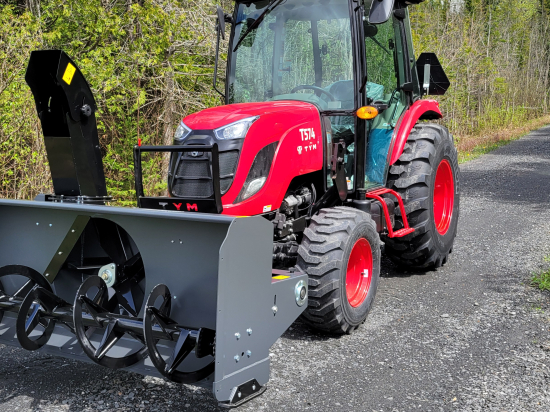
(390, 85)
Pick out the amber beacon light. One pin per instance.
(367, 112)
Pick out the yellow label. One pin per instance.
(69, 73)
(280, 277)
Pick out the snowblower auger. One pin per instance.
(188, 297)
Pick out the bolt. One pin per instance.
(239, 394)
(237, 358)
(249, 331)
(238, 335)
(248, 353)
(274, 309)
(253, 387)
(72, 231)
(37, 223)
(50, 225)
(172, 241)
(174, 297)
(112, 266)
(300, 293)
(59, 253)
(47, 274)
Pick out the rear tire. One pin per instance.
(427, 178)
(340, 252)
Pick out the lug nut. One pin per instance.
(248, 353)
(237, 358)
(249, 331)
(274, 309)
(238, 335)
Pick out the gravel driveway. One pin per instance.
(469, 337)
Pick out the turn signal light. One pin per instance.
(367, 112)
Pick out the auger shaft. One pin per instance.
(127, 324)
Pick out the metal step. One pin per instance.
(375, 194)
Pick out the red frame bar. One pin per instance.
(375, 194)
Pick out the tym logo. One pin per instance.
(309, 148)
(308, 135)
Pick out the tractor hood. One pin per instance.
(285, 141)
(215, 117)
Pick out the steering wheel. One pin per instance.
(308, 87)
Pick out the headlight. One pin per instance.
(258, 172)
(253, 187)
(236, 130)
(181, 132)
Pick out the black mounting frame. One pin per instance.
(212, 204)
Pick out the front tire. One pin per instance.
(427, 178)
(340, 252)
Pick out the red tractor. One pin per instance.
(320, 135)
(316, 157)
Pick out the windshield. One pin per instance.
(298, 50)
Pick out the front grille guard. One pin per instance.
(211, 204)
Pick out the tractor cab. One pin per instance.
(329, 54)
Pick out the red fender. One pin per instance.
(428, 109)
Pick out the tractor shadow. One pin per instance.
(300, 331)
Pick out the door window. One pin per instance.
(385, 71)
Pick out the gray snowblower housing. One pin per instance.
(189, 297)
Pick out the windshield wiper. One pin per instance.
(257, 22)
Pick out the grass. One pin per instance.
(541, 280)
(471, 147)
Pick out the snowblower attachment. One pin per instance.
(190, 297)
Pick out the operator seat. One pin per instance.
(343, 91)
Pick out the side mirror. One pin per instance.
(369, 30)
(431, 74)
(407, 87)
(379, 105)
(380, 11)
(221, 21)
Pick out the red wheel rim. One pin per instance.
(444, 196)
(359, 272)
